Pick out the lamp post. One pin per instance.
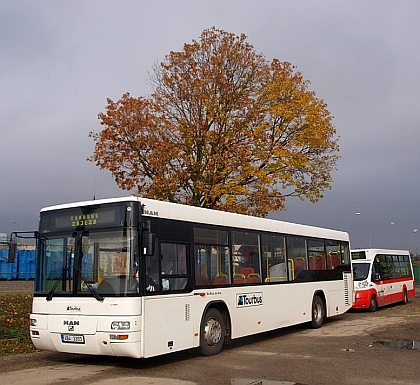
(415, 231)
(402, 243)
(15, 223)
(370, 237)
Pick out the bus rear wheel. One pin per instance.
(318, 312)
(213, 330)
(373, 305)
(405, 299)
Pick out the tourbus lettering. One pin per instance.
(250, 299)
(74, 308)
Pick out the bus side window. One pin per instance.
(174, 272)
(246, 256)
(152, 273)
(296, 252)
(376, 276)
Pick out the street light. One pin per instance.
(402, 242)
(15, 223)
(370, 237)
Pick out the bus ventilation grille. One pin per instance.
(187, 312)
(346, 290)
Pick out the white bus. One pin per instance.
(382, 277)
(138, 277)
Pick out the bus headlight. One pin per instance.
(362, 285)
(33, 321)
(120, 325)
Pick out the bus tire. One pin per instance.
(318, 312)
(213, 330)
(405, 299)
(373, 305)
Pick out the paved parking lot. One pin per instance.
(349, 349)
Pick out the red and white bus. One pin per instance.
(138, 277)
(381, 277)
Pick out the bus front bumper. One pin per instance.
(362, 299)
(99, 343)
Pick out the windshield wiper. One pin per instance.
(51, 292)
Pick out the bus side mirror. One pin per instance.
(376, 277)
(148, 244)
(12, 251)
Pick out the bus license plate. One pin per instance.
(72, 339)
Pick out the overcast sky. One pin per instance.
(61, 60)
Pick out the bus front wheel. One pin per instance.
(213, 331)
(318, 312)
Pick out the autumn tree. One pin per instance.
(224, 128)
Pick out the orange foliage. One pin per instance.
(224, 129)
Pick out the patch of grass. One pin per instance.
(14, 324)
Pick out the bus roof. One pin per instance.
(369, 254)
(176, 211)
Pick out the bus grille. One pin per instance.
(346, 290)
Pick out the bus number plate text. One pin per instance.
(72, 339)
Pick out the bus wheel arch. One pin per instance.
(214, 329)
(318, 310)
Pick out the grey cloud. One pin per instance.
(59, 62)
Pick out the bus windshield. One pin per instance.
(360, 271)
(86, 262)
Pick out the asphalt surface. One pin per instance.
(355, 348)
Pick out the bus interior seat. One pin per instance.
(247, 271)
(253, 278)
(332, 260)
(238, 278)
(220, 279)
(300, 263)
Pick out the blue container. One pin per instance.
(54, 264)
(7, 270)
(26, 264)
(87, 267)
